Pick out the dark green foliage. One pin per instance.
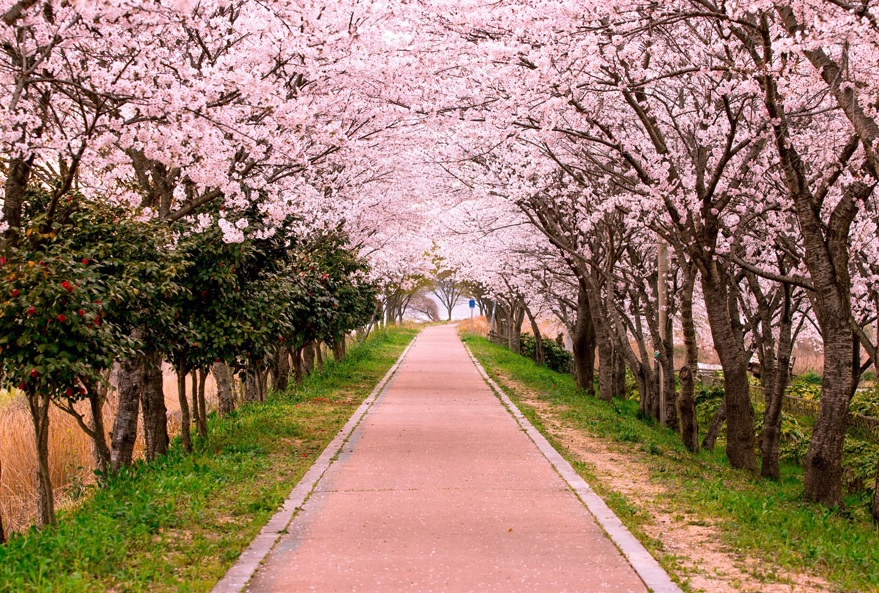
(71, 292)
(555, 355)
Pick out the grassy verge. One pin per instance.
(766, 520)
(179, 523)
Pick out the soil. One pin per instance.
(701, 558)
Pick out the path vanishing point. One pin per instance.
(443, 487)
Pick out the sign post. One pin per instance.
(472, 306)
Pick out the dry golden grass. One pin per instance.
(71, 462)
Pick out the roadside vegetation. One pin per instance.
(769, 520)
(177, 523)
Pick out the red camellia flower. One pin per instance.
(15, 292)
(82, 390)
(21, 386)
(69, 392)
(81, 312)
(67, 286)
(204, 293)
(61, 318)
(31, 311)
(2, 261)
(85, 262)
(34, 372)
(97, 322)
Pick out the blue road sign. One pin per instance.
(472, 304)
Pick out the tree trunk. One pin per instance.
(296, 357)
(281, 369)
(39, 409)
(725, 330)
(714, 430)
(687, 399)
(619, 375)
(152, 402)
(202, 405)
(251, 386)
(17, 177)
(583, 338)
(225, 393)
(668, 376)
(539, 356)
(605, 361)
(185, 419)
(127, 409)
(308, 356)
(339, 348)
(770, 466)
(194, 407)
(823, 462)
(100, 449)
(319, 355)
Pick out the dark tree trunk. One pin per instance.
(152, 402)
(100, 449)
(225, 392)
(339, 348)
(39, 409)
(583, 338)
(296, 358)
(539, 356)
(17, 177)
(185, 419)
(308, 356)
(779, 371)
(127, 409)
(281, 369)
(687, 399)
(728, 341)
(605, 360)
(713, 432)
(251, 387)
(202, 404)
(668, 376)
(826, 255)
(823, 462)
(619, 375)
(516, 320)
(319, 355)
(194, 407)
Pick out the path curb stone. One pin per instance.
(240, 573)
(648, 569)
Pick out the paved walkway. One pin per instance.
(440, 489)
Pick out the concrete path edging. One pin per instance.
(648, 569)
(240, 573)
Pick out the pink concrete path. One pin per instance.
(440, 489)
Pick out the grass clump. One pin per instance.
(177, 524)
(766, 520)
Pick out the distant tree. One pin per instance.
(421, 304)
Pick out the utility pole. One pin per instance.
(662, 304)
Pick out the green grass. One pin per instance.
(767, 520)
(178, 524)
